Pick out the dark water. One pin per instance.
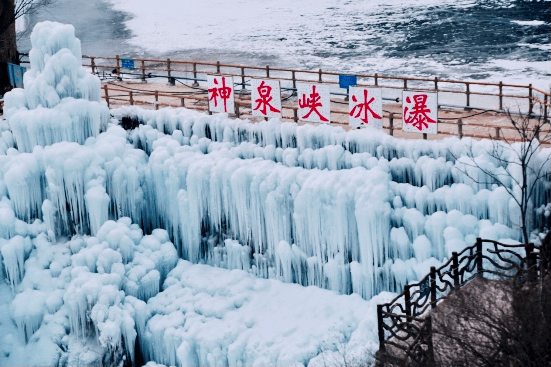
(457, 40)
(477, 33)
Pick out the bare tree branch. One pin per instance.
(518, 161)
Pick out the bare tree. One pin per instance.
(523, 171)
(10, 11)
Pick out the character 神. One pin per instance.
(220, 89)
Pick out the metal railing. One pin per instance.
(405, 324)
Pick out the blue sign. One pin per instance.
(346, 81)
(16, 75)
(127, 63)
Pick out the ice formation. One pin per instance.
(61, 101)
(103, 229)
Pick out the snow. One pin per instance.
(206, 315)
(204, 240)
(209, 316)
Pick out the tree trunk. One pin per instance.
(8, 45)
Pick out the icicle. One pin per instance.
(28, 310)
(14, 253)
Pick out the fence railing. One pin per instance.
(191, 70)
(404, 324)
(475, 93)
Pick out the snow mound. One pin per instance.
(207, 316)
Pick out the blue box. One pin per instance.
(127, 63)
(346, 81)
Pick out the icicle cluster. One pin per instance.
(354, 216)
(61, 101)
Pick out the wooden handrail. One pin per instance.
(320, 72)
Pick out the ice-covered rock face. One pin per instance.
(61, 101)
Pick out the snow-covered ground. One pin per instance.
(203, 240)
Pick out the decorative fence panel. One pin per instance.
(404, 324)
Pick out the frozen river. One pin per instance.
(466, 39)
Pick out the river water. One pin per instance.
(462, 39)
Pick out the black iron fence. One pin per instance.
(405, 324)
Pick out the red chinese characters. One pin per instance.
(220, 89)
(265, 98)
(420, 112)
(314, 102)
(366, 107)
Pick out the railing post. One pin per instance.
(237, 109)
(143, 71)
(391, 123)
(425, 136)
(500, 95)
(93, 65)
(430, 347)
(380, 322)
(468, 93)
(432, 287)
(169, 72)
(195, 83)
(460, 128)
(530, 261)
(376, 79)
(530, 101)
(295, 115)
(455, 267)
(294, 80)
(156, 99)
(242, 78)
(106, 94)
(218, 67)
(407, 297)
(182, 102)
(498, 130)
(131, 97)
(320, 75)
(118, 66)
(267, 71)
(436, 83)
(545, 108)
(405, 84)
(479, 268)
